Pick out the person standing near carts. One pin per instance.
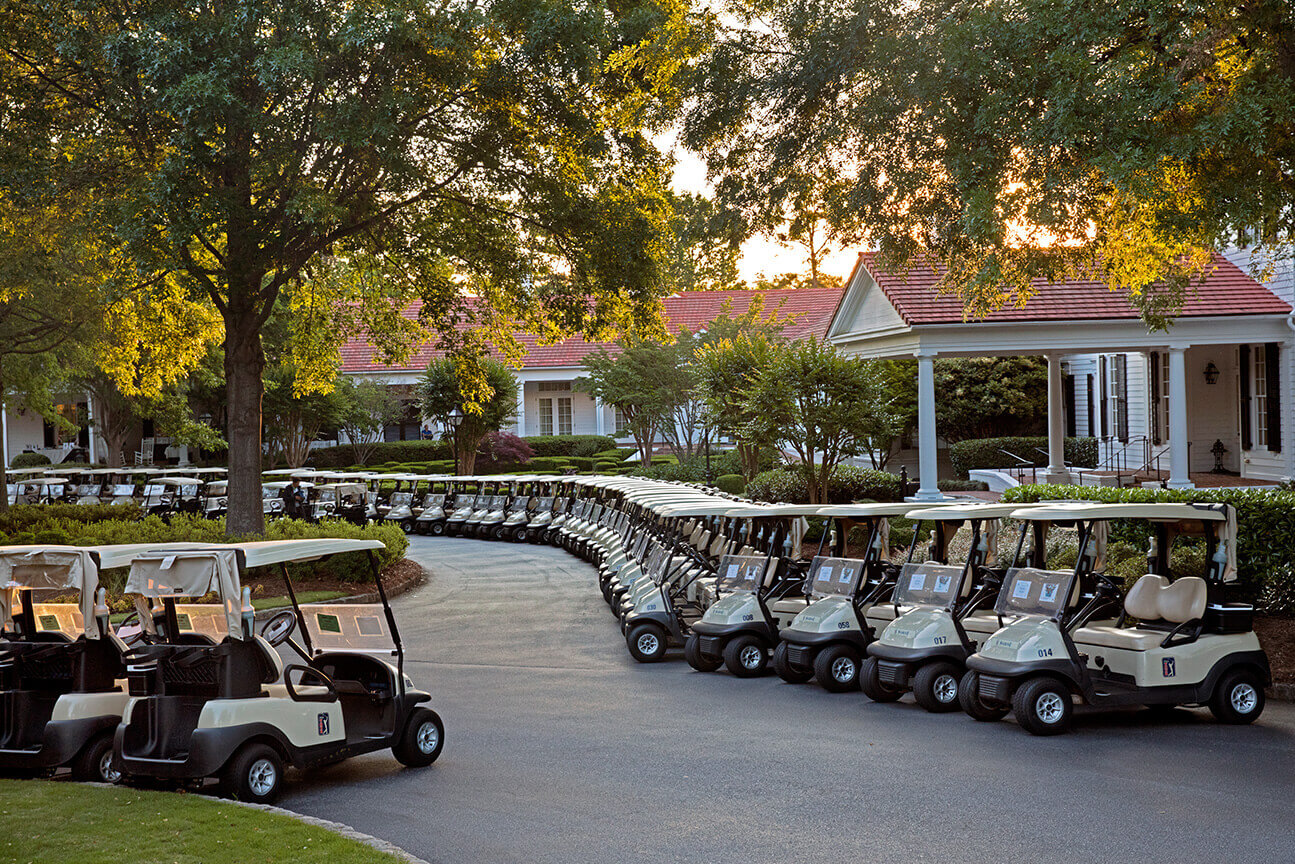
(294, 499)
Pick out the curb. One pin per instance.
(370, 597)
(1282, 692)
(376, 843)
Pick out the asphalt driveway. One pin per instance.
(560, 748)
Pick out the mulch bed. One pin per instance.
(396, 578)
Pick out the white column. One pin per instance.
(89, 413)
(928, 458)
(4, 431)
(1057, 472)
(1179, 477)
(600, 421)
(521, 408)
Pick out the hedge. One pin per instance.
(733, 484)
(963, 486)
(29, 460)
(350, 567)
(389, 451)
(1265, 530)
(569, 445)
(847, 484)
(986, 453)
(35, 517)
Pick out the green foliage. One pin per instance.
(573, 445)
(706, 247)
(847, 484)
(963, 486)
(733, 484)
(987, 453)
(32, 517)
(985, 396)
(442, 390)
(29, 460)
(391, 451)
(1265, 529)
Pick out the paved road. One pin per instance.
(560, 748)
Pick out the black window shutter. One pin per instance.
(1101, 374)
(1245, 397)
(1091, 411)
(1155, 397)
(1069, 391)
(1122, 397)
(1272, 351)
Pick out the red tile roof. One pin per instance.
(812, 309)
(1225, 291)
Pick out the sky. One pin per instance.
(760, 254)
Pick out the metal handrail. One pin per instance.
(1034, 469)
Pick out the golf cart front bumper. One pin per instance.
(803, 645)
(60, 742)
(713, 637)
(998, 678)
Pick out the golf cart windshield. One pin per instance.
(834, 576)
(65, 618)
(497, 502)
(402, 499)
(545, 503)
(206, 619)
(1027, 591)
(929, 584)
(48, 568)
(741, 572)
(348, 627)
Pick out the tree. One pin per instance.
(494, 147)
(991, 396)
(634, 380)
(370, 407)
(705, 247)
(1139, 136)
(442, 392)
(823, 404)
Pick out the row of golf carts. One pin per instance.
(185, 692)
(157, 490)
(970, 616)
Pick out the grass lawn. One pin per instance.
(259, 603)
(41, 821)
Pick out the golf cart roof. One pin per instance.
(199, 471)
(179, 481)
(261, 553)
(217, 487)
(789, 509)
(987, 510)
(290, 472)
(101, 471)
(23, 472)
(279, 484)
(1064, 511)
(43, 481)
(874, 509)
(713, 507)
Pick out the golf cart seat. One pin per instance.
(984, 622)
(1159, 605)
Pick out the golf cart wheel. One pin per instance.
(935, 686)
(436, 529)
(422, 740)
(407, 525)
(697, 660)
(1042, 706)
(520, 535)
(501, 533)
(745, 656)
(1238, 699)
(94, 762)
(647, 642)
(972, 705)
(870, 683)
(787, 670)
(255, 774)
(837, 668)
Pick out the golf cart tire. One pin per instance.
(932, 680)
(436, 529)
(739, 653)
(834, 659)
(969, 699)
(647, 642)
(519, 536)
(786, 670)
(413, 748)
(238, 780)
(1043, 706)
(407, 525)
(1239, 698)
(870, 683)
(697, 660)
(88, 766)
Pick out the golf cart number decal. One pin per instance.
(842, 625)
(1167, 666)
(1022, 589)
(748, 617)
(917, 582)
(48, 622)
(323, 724)
(1049, 593)
(1045, 652)
(328, 623)
(939, 640)
(942, 584)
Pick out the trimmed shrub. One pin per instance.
(503, 449)
(29, 460)
(34, 517)
(1265, 530)
(569, 445)
(616, 454)
(387, 452)
(847, 484)
(987, 453)
(963, 486)
(604, 467)
(733, 484)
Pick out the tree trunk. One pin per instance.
(4, 457)
(244, 365)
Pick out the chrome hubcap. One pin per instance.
(1244, 698)
(1049, 708)
(751, 657)
(946, 688)
(262, 777)
(107, 773)
(428, 737)
(843, 669)
(648, 643)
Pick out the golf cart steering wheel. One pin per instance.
(1116, 587)
(133, 638)
(277, 630)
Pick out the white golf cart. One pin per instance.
(219, 710)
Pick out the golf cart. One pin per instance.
(166, 495)
(1178, 640)
(462, 507)
(215, 499)
(338, 501)
(401, 504)
(232, 710)
(40, 490)
(432, 519)
(61, 665)
(942, 611)
(272, 504)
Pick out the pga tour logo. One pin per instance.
(1167, 666)
(323, 724)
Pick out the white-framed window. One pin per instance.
(554, 386)
(620, 422)
(546, 416)
(555, 418)
(1259, 397)
(564, 415)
